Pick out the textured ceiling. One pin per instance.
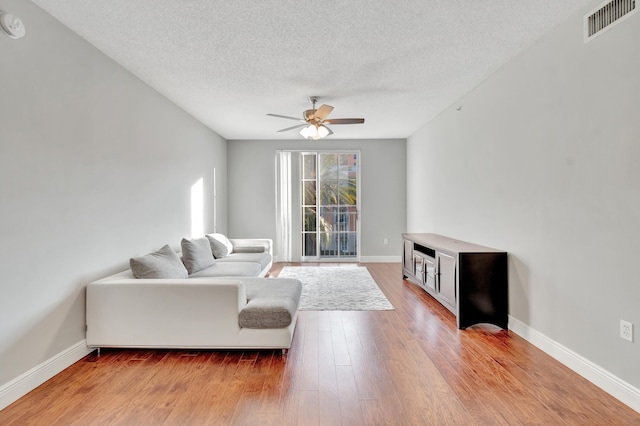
(397, 64)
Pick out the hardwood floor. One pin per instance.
(403, 367)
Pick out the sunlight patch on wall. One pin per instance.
(197, 209)
(215, 203)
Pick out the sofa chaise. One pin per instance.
(164, 301)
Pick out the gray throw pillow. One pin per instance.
(220, 245)
(196, 254)
(163, 263)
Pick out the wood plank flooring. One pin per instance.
(410, 366)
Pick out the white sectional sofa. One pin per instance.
(224, 305)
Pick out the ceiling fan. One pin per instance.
(314, 121)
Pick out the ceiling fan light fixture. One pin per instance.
(309, 131)
(323, 132)
(314, 131)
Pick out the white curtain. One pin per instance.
(284, 207)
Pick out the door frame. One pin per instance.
(318, 257)
(296, 213)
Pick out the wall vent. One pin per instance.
(606, 16)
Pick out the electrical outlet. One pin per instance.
(626, 330)
(386, 241)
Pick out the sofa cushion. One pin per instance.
(264, 259)
(196, 254)
(271, 302)
(163, 263)
(220, 245)
(249, 249)
(229, 269)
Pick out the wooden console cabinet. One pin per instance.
(469, 280)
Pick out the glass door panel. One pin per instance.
(309, 207)
(330, 197)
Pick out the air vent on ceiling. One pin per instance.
(607, 15)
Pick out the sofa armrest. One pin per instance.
(248, 243)
(194, 312)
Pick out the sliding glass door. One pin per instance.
(329, 205)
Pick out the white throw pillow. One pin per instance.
(220, 245)
(196, 254)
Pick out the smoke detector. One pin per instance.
(12, 25)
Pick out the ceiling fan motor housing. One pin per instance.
(309, 115)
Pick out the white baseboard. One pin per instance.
(597, 375)
(380, 259)
(25, 383)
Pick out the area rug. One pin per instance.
(337, 288)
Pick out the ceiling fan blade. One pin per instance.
(344, 121)
(323, 112)
(293, 127)
(286, 116)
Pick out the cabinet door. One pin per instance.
(430, 275)
(447, 279)
(408, 258)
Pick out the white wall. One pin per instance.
(542, 161)
(95, 167)
(251, 175)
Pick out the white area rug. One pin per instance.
(337, 288)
